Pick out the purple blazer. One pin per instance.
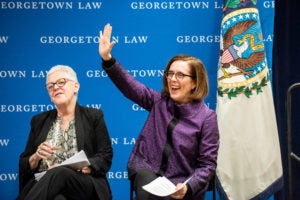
(195, 137)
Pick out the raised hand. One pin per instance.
(105, 45)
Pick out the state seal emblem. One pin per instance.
(242, 65)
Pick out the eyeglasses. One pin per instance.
(60, 83)
(178, 75)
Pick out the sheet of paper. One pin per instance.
(39, 175)
(162, 186)
(77, 161)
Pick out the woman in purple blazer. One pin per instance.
(180, 138)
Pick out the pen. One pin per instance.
(57, 155)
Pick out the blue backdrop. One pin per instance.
(35, 35)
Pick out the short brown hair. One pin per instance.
(198, 72)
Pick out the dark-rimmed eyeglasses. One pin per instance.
(178, 75)
(60, 83)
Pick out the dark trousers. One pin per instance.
(60, 183)
(143, 177)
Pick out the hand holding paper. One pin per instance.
(162, 186)
(77, 161)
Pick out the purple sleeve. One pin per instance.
(208, 152)
(130, 87)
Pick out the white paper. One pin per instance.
(77, 161)
(162, 186)
(39, 175)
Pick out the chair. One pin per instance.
(131, 189)
(211, 187)
(291, 155)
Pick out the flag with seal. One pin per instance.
(249, 160)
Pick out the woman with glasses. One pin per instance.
(57, 135)
(180, 138)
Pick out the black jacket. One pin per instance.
(92, 137)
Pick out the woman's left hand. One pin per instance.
(180, 193)
(86, 170)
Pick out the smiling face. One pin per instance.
(180, 89)
(64, 90)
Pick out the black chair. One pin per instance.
(291, 155)
(211, 187)
(131, 189)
